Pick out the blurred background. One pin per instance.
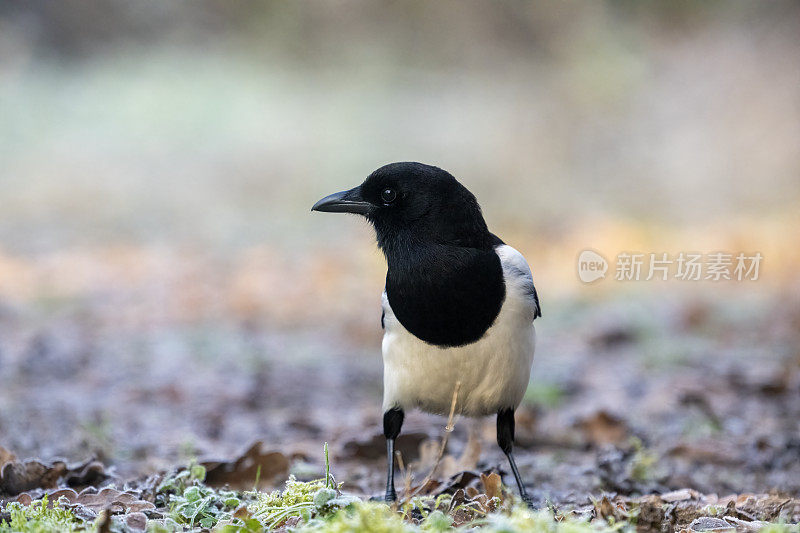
(165, 292)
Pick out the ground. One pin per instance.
(671, 403)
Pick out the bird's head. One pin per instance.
(411, 204)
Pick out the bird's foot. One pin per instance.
(389, 497)
(528, 501)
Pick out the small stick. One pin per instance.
(407, 477)
(447, 430)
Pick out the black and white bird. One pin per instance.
(458, 306)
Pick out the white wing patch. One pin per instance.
(518, 274)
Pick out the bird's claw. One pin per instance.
(528, 501)
(389, 497)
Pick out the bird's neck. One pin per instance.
(403, 245)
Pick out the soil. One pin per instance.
(678, 401)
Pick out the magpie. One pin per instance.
(458, 304)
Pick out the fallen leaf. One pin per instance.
(746, 525)
(24, 498)
(6, 457)
(603, 428)
(242, 473)
(242, 513)
(89, 473)
(612, 335)
(430, 487)
(111, 499)
(373, 446)
(492, 484)
(709, 523)
(136, 521)
(459, 482)
(706, 452)
(604, 508)
(680, 495)
(16, 477)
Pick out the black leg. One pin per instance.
(505, 438)
(392, 422)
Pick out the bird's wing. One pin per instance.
(519, 276)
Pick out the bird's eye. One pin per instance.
(388, 195)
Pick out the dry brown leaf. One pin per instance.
(483, 502)
(680, 495)
(19, 477)
(373, 446)
(603, 428)
(136, 521)
(709, 523)
(6, 457)
(612, 335)
(242, 513)
(69, 494)
(706, 452)
(604, 508)
(89, 473)
(492, 484)
(430, 487)
(108, 498)
(24, 498)
(242, 473)
(458, 482)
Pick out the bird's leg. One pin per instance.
(505, 439)
(392, 422)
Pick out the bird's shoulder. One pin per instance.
(518, 273)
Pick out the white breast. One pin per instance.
(494, 371)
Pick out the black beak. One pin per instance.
(344, 202)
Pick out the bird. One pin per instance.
(458, 306)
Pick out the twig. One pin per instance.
(407, 476)
(447, 430)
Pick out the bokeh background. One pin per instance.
(165, 292)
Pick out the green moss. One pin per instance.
(367, 517)
(317, 505)
(192, 503)
(304, 499)
(522, 519)
(295, 492)
(643, 463)
(374, 517)
(39, 518)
